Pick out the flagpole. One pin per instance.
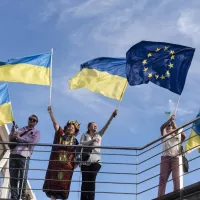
(177, 105)
(125, 86)
(50, 95)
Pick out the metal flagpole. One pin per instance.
(177, 105)
(51, 77)
(122, 95)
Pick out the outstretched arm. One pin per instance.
(102, 131)
(166, 123)
(55, 124)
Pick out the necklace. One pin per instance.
(68, 139)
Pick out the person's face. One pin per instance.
(93, 127)
(32, 121)
(169, 128)
(70, 130)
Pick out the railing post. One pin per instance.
(181, 174)
(136, 191)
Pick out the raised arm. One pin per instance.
(166, 123)
(55, 124)
(102, 131)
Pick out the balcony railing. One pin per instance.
(127, 172)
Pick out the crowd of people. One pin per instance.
(70, 153)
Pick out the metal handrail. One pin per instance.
(137, 149)
(109, 147)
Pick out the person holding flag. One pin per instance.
(62, 159)
(20, 156)
(91, 159)
(170, 156)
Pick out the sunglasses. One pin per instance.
(32, 119)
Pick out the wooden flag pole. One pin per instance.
(125, 86)
(50, 95)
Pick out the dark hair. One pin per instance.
(33, 115)
(76, 130)
(90, 123)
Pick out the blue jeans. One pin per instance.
(18, 167)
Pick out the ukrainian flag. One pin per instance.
(6, 116)
(193, 141)
(169, 114)
(31, 70)
(104, 75)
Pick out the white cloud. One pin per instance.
(117, 31)
(91, 8)
(133, 130)
(109, 28)
(188, 24)
(52, 8)
(180, 110)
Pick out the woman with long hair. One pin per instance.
(91, 159)
(62, 160)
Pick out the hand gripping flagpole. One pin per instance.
(118, 105)
(50, 95)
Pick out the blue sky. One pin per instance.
(82, 30)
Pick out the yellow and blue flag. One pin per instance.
(104, 75)
(31, 70)
(6, 115)
(169, 114)
(164, 64)
(193, 141)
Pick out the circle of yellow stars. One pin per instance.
(170, 65)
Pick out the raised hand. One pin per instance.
(114, 114)
(173, 117)
(49, 109)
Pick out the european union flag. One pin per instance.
(163, 64)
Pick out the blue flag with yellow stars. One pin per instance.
(164, 64)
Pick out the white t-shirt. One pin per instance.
(170, 145)
(95, 156)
